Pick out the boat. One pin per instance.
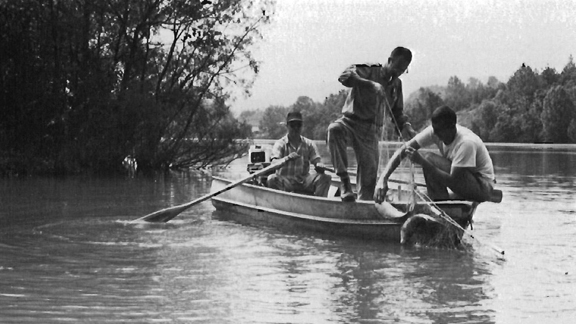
(255, 204)
(402, 218)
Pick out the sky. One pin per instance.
(310, 42)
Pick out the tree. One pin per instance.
(421, 107)
(484, 119)
(524, 82)
(549, 77)
(326, 113)
(531, 128)
(85, 83)
(568, 75)
(456, 95)
(506, 128)
(493, 83)
(558, 111)
(520, 119)
(273, 122)
(476, 90)
(572, 130)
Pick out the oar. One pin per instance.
(167, 214)
(391, 180)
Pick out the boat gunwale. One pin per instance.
(440, 203)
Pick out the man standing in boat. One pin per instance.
(300, 153)
(464, 164)
(376, 91)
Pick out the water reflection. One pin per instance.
(411, 285)
(535, 164)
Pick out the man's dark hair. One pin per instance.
(402, 51)
(444, 117)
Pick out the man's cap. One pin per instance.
(294, 116)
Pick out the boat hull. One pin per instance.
(257, 205)
(370, 230)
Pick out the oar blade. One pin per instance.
(162, 216)
(167, 214)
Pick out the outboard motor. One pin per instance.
(258, 159)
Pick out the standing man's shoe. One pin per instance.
(346, 193)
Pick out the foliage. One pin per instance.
(273, 122)
(85, 83)
(328, 112)
(558, 112)
(572, 131)
(524, 82)
(484, 118)
(568, 76)
(316, 116)
(531, 107)
(457, 96)
(421, 107)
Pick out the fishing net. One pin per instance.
(429, 231)
(434, 228)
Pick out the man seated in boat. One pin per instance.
(300, 152)
(464, 164)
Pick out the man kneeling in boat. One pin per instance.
(464, 165)
(300, 152)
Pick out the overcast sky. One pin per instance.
(310, 42)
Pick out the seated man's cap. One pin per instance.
(294, 116)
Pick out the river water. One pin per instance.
(69, 254)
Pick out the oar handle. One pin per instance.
(407, 182)
(391, 180)
(328, 169)
(270, 168)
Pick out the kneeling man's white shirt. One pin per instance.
(466, 151)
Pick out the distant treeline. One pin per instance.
(83, 84)
(532, 107)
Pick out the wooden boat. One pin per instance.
(258, 205)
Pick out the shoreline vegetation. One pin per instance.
(23, 167)
(87, 84)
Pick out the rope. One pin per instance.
(412, 183)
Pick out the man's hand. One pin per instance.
(319, 168)
(414, 155)
(288, 158)
(408, 132)
(292, 156)
(379, 89)
(380, 191)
